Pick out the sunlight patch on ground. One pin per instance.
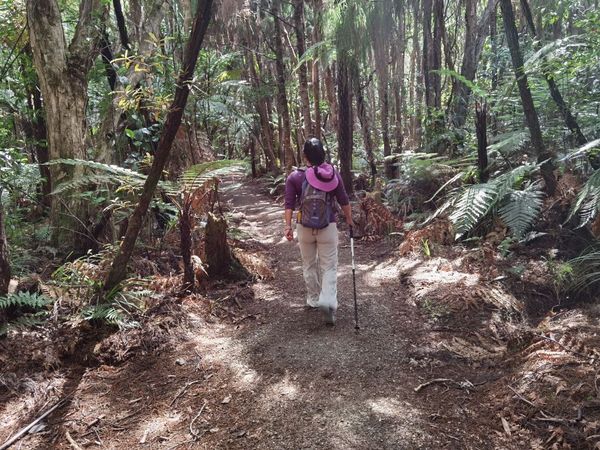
(224, 351)
(391, 407)
(432, 271)
(383, 272)
(150, 429)
(284, 390)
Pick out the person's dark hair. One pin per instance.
(314, 152)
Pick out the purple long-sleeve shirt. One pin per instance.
(293, 191)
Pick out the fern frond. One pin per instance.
(196, 176)
(98, 166)
(509, 181)
(103, 312)
(586, 270)
(520, 210)
(24, 299)
(472, 205)
(588, 201)
(100, 173)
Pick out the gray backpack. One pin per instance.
(315, 207)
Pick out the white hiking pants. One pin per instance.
(319, 263)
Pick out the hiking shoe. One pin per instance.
(329, 316)
(311, 304)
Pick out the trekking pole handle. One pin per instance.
(351, 232)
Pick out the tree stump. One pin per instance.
(218, 256)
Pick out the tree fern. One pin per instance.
(520, 210)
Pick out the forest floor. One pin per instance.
(445, 358)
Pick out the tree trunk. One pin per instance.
(363, 117)
(316, 81)
(282, 102)
(118, 270)
(399, 82)
(331, 98)
(564, 109)
(481, 131)
(121, 24)
(302, 71)
(415, 79)
(494, 64)
(512, 38)
(436, 53)
(37, 136)
(381, 51)
(475, 33)
(263, 115)
(62, 71)
(344, 132)
(186, 245)
(5, 272)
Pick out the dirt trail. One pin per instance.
(295, 383)
(277, 377)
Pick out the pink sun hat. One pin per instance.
(322, 177)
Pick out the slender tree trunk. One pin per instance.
(38, 136)
(5, 272)
(282, 102)
(331, 98)
(475, 33)
(481, 131)
(436, 53)
(531, 116)
(121, 24)
(345, 144)
(302, 71)
(564, 109)
(494, 64)
(415, 79)
(261, 108)
(363, 117)
(186, 245)
(399, 82)
(118, 270)
(316, 81)
(460, 91)
(62, 71)
(381, 53)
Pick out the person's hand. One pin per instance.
(350, 223)
(288, 233)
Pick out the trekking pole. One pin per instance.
(356, 327)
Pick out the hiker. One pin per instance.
(311, 191)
